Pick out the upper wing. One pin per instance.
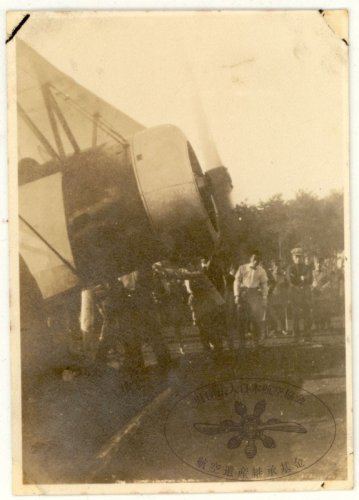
(57, 116)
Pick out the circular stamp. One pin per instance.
(250, 429)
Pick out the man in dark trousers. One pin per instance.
(250, 289)
(143, 318)
(205, 302)
(299, 277)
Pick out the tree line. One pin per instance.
(276, 226)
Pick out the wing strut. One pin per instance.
(63, 122)
(100, 124)
(50, 111)
(65, 261)
(38, 133)
(54, 111)
(96, 117)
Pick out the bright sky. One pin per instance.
(270, 88)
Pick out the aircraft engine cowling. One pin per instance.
(174, 191)
(128, 206)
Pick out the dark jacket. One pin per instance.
(299, 275)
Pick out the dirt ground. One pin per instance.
(97, 424)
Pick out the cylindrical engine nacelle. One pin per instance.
(174, 191)
(128, 206)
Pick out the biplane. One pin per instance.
(100, 194)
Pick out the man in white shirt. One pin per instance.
(250, 294)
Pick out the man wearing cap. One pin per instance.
(250, 295)
(299, 277)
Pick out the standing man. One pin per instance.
(111, 303)
(143, 319)
(321, 294)
(250, 295)
(299, 277)
(214, 270)
(206, 304)
(278, 298)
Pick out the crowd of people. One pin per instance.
(241, 305)
(294, 299)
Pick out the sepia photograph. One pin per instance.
(180, 251)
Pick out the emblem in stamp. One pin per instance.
(249, 429)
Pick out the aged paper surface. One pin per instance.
(180, 286)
